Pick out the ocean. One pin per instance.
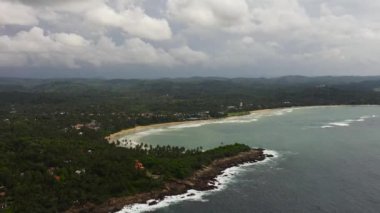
(327, 160)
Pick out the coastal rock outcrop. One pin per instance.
(200, 180)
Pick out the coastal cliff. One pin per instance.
(200, 180)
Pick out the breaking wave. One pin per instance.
(221, 182)
(347, 122)
(253, 117)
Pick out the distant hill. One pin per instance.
(121, 85)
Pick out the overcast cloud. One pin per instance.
(234, 38)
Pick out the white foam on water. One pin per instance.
(149, 132)
(226, 121)
(241, 119)
(133, 140)
(183, 126)
(347, 122)
(221, 182)
(169, 200)
(253, 117)
(340, 123)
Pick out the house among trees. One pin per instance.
(92, 125)
(57, 178)
(138, 165)
(78, 126)
(3, 194)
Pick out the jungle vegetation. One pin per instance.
(53, 152)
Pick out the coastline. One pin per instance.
(200, 180)
(113, 138)
(123, 133)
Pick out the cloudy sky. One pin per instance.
(176, 38)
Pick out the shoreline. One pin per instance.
(113, 138)
(201, 180)
(123, 133)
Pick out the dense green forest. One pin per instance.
(53, 154)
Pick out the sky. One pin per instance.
(182, 38)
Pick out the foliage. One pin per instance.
(48, 165)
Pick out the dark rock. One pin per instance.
(154, 202)
(199, 181)
(188, 183)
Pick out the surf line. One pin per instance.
(130, 138)
(219, 183)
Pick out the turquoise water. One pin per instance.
(329, 161)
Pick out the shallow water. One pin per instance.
(328, 161)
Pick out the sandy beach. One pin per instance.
(131, 142)
(113, 138)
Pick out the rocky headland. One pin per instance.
(201, 180)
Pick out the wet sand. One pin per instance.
(123, 133)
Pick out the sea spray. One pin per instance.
(220, 183)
